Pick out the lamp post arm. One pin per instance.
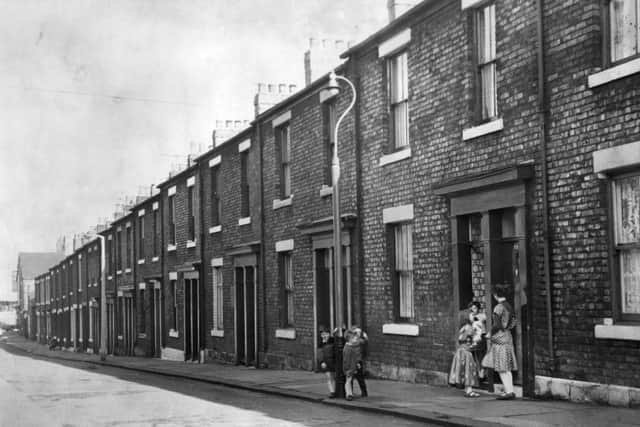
(343, 115)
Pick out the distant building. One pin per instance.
(30, 265)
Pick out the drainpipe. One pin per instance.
(103, 300)
(258, 136)
(542, 117)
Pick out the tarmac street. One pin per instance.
(36, 392)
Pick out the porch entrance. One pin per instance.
(490, 247)
(246, 309)
(191, 317)
(157, 304)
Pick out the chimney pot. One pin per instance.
(281, 88)
(292, 88)
(260, 87)
(270, 88)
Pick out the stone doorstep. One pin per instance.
(583, 391)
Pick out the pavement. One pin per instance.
(431, 404)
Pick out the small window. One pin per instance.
(626, 199)
(129, 247)
(244, 184)
(624, 32)
(141, 237)
(191, 213)
(485, 29)
(283, 141)
(403, 270)
(156, 232)
(218, 306)
(399, 100)
(329, 113)
(286, 279)
(119, 249)
(216, 204)
(172, 215)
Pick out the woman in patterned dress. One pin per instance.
(502, 350)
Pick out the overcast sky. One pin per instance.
(98, 97)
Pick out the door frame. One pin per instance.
(243, 261)
(496, 190)
(191, 276)
(321, 241)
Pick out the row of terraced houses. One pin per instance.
(491, 142)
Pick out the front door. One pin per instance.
(191, 320)
(246, 309)
(156, 309)
(324, 288)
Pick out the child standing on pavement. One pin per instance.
(353, 361)
(326, 360)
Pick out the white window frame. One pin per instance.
(398, 99)
(626, 247)
(288, 287)
(218, 297)
(628, 19)
(283, 139)
(485, 47)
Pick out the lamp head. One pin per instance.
(333, 87)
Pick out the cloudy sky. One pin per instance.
(100, 97)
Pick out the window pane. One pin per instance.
(400, 124)
(624, 28)
(406, 294)
(630, 279)
(628, 206)
(488, 88)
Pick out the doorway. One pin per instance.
(191, 318)
(324, 288)
(157, 310)
(246, 309)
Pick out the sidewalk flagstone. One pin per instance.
(433, 404)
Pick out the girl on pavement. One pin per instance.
(502, 350)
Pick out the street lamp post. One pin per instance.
(334, 87)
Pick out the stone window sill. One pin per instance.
(109, 277)
(618, 332)
(614, 73)
(142, 335)
(281, 203)
(127, 270)
(405, 329)
(171, 248)
(326, 191)
(483, 129)
(286, 334)
(174, 334)
(191, 243)
(155, 259)
(244, 221)
(140, 261)
(396, 156)
(215, 229)
(217, 333)
(118, 273)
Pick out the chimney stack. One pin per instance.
(225, 129)
(322, 56)
(269, 94)
(398, 7)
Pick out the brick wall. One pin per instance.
(440, 89)
(583, 120)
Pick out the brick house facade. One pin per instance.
(182, 267)
(148, 248)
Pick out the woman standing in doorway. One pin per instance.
(503, 353)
